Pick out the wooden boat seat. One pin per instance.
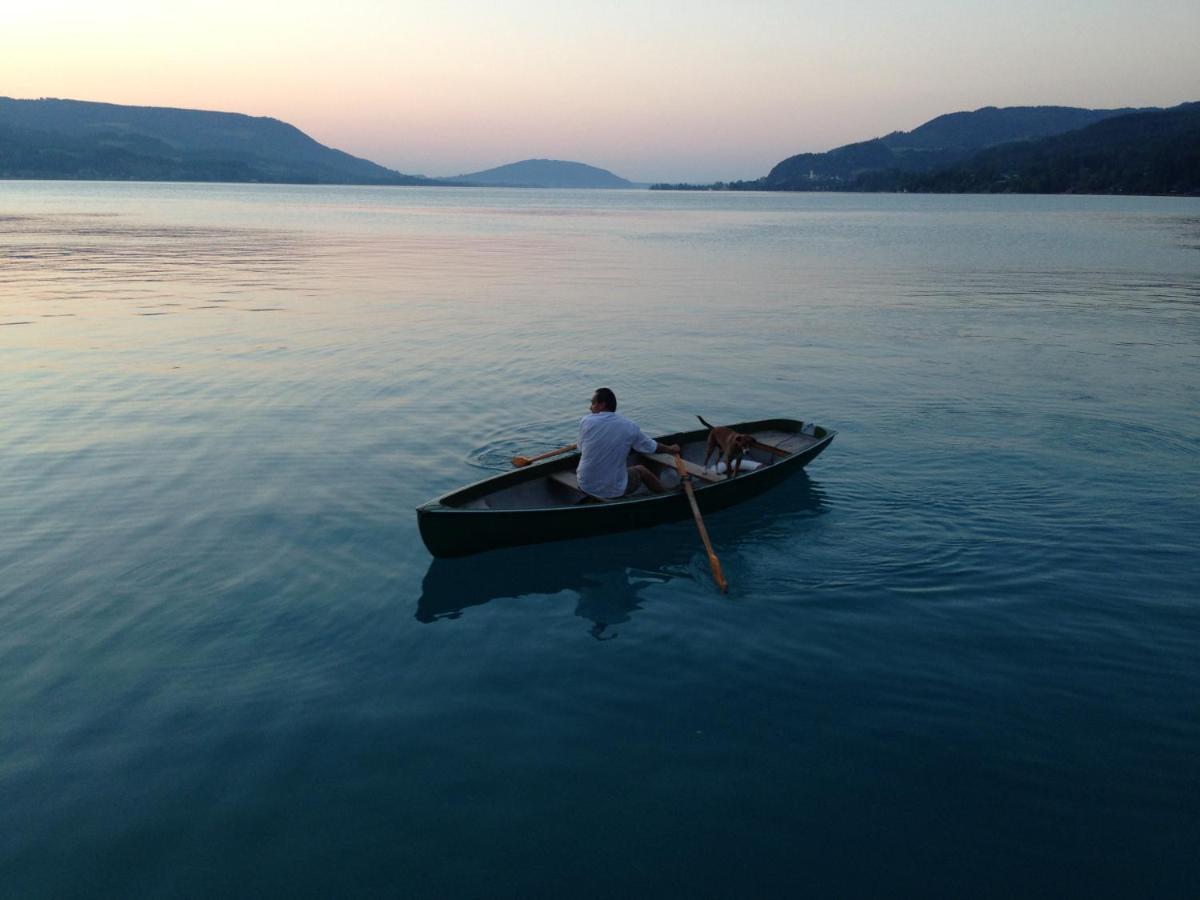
(668, 459)
(568, 479)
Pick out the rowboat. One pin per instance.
(542, 502)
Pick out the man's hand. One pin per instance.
(669, 448)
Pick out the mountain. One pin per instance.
(54, 139)
(545, 173)
(1141, 153)
(940, 142)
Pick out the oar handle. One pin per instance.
(680, 468)
(714, 563)
(522, 461)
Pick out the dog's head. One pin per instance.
(741, 443)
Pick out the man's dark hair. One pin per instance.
(607, 397)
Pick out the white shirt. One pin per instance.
(604, 443)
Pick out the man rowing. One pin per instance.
(605, 440)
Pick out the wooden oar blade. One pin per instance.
(714, 563)
(522, 461)
(718, 574)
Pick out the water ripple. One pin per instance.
(216, 612)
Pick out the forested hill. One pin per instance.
(938, 143)
(78, 139)
(1141, 153)
(546, 173)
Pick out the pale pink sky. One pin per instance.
(651, 90)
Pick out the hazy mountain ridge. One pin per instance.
(51, 138)
(1112, 151)
(992, 125)
(1048, 149)
(545, 173)
(940, 142)
(1141, 153)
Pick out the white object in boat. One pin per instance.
(748, 465)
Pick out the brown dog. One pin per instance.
(729, 445)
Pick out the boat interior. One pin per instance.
(553, 483)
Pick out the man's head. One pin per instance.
(604, 400)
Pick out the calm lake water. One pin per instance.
(959, 656)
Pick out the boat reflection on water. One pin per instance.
(609, 573)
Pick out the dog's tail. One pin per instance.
(705, 424)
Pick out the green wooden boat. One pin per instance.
(542, 502)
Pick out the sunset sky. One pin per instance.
(651, 90)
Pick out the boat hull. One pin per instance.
(450, 527)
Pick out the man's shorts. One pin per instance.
(634, 474)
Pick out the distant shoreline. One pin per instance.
(699, 189)
(1050, 150)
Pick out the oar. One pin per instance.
(686, 480)
(521, 461)
(776, 450)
